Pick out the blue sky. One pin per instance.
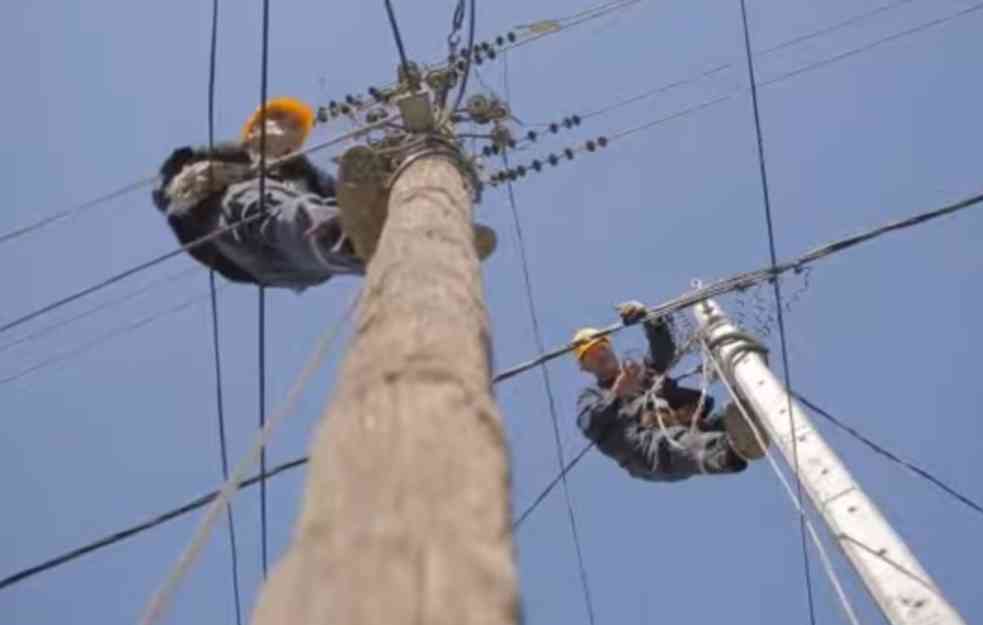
(99, 94)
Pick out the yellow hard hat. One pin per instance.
(300, 111)
(585, 339)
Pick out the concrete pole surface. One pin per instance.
(903, 590)
(406, 517)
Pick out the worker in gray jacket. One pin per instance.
(640, 417)
(295, 239)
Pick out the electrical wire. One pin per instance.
(264, 546)
(108, 304)
(358, 132)
(737, 282)
(160, 600)
(548, 386)
(398, 37)
(743, 281)
(468, 60)
(223, 446)
(220, 404)
(891, 456)
(103, 338)
(776, 285)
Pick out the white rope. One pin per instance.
(158, 603)
(827, 563)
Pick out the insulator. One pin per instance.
(522, 171)
(500, 41)
(553, 160)
(492, 54)
(512, 175)
(602, 141)
(322, 114)
(568, 153)
(375, 94)
(532, 135)
(461, 66)
(567, 123)
(477, 59)
(345, 109)
(591, 146)
(537, 165)
(511, 37)
(486, 46)
(576, 120)
(350, 99)
(332, 104)
(554, 128)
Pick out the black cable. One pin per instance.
(252, 218)
(889, 455)
(262, 424)
(547, 384)
(468, 60)
(108, 304)
(734, 283)
(778, 301)
(263, 96)
(223, 447)
(129, 272)
(116, 537)
(549, 487)
(220, 404)
(44, 221)
(398, 37)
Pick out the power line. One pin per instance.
(719, 100)
(85, 347)
(760, 53)
(161, 598)
(193, 244)
(68, 212)
(470, 56)
(743, 281)
(112, 303)
(398, 37)
(220, 404)
(262, 424)
(769, 224)
(223, 447)
(115, 537)
(263, 96)
(891, 456)
(548, 386)
(737, 282)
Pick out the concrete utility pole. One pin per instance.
(898, 583)
(406, 517)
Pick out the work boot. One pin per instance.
(741, 436)
(363, 200)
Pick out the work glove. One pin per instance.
(199, 180)
(632, 312)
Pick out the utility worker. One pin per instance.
(638, 415)
(300, 240)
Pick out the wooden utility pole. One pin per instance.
(406, 517)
